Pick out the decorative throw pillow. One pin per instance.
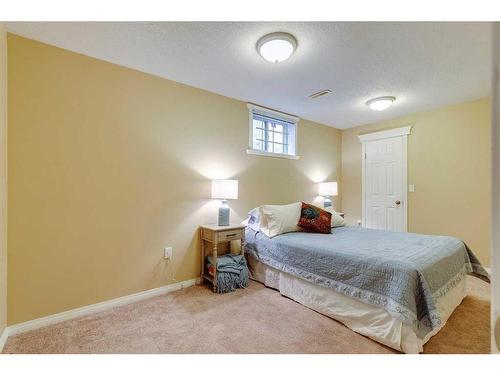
(314, 219)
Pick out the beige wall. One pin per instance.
(3, 177)
(449, 164)
(108, 165)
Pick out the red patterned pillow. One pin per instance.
(314, 219)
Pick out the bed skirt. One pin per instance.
(371, 321)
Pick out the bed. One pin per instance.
(396, 288)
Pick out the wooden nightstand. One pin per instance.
(215, 235)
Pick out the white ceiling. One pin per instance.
(425, 65)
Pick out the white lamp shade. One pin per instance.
(225, 189)
(328, 189)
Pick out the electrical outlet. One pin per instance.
(168, 252)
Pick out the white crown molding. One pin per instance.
(98, 307)
(3, 338)
(391, 133)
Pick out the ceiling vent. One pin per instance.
(320, 93)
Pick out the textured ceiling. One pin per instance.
(425, 65)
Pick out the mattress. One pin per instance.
(368, 320)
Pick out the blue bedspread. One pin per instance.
(404, 273)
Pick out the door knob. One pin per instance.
(398, 203)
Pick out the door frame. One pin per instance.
(392, 133)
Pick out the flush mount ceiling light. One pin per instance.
(381, 103)
(276, 47)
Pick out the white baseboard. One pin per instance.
(98, 307)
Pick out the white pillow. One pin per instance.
(279, 219)
(337, 220)
(253, 219)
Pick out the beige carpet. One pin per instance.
(254, 320)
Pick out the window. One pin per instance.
(272, 133)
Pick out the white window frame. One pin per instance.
(278, 115)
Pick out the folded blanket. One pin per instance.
(232, 272)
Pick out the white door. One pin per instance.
(384, 182)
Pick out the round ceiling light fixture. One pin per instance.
(276, 47)
(380, 103)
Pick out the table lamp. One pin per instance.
(224, 190)
(327, 190)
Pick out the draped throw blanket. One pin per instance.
(232, 272)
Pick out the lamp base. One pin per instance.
(223, 219)
(327, 202)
